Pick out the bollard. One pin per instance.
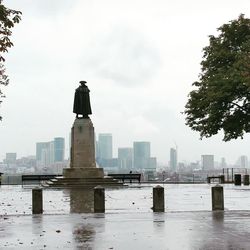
(217, 198)
(1, 178)
(222, 179)
(237, 179)
(158, 199)
(99, 199)
(246, 179)
(37, 201)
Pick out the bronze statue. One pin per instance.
(82, 101)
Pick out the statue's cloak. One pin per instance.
(82, 101)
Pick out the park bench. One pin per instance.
(221, 178)
(34, 178)
(124, 177)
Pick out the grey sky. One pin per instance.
(139, 57)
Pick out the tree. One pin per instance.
(8, 18)
(221, 99)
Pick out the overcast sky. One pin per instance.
(139, 58)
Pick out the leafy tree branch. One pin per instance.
(8, 18)
(221, 99)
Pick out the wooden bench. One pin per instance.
(34, 178)
(220, 177)
(124, 177)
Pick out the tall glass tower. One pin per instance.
(105, 146)
(141, 152)
(59, 146)
(173, 159)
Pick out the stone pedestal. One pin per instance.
(83, 172)
(82, 160)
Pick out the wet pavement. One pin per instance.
(16, 200)
(129, 223)
(176, 230)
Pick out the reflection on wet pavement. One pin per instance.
(129, 223)
(84, 234)
(176, 230)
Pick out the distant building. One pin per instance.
(125, 158)
(26, 162)
(105, 146)
(243, 161)
(181, 166)
(59, 147)
(104, 151)
(10, 158)
(110, 165)
(96, 147)
(141, 154)
(207, 162)
(173, 159)
(223, 163)
(194, 166)
(40, 146)
(47, 153)
(152, 164)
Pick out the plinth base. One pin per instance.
(83, 173)
(82, 178)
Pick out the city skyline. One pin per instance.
(139, 59)
(240, 161)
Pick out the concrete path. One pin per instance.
(176, 230)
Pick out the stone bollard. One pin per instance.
(158, 199)
(99, 199)
(217, 198)
(237, 179)
(246, 179)
(37, 201)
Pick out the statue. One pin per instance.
(82, 101)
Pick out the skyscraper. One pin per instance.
(207, 162)
(173, 159)
(44, 153)
(105, 146)
(40, 146)
(59, 146)
(125, 158)
(141, 152)
(48, 153)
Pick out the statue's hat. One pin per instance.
(83, 82)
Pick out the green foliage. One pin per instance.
(8, 18)
(221, 99)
